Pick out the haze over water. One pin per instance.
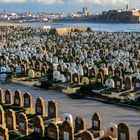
(94, 26)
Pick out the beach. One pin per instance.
(11, 24)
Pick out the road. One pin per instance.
(84, 108)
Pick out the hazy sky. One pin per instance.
(64, 5)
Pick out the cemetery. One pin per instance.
(75, 61)
(78, 62)
(46, 123)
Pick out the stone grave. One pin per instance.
(67, 131)
(76, 78)
(1, 96)
(119, 83)
(112, 130)
(2, 117)
(40, 106)
(23, 124)
(8, 97)
(18, 98)
(123, 132)
(128, 83)
(28, 105)
(53, 111)
(4, 133)
(87, 135)
(39, 126)
(80, 124)
(11, 120)
(53, 131)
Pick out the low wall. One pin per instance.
(62, 31)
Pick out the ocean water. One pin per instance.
(94, 26)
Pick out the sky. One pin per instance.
(67, 6)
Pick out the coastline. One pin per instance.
(96, 27)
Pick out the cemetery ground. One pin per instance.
(84, 108)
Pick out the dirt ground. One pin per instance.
(11, 24)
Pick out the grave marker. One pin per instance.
(123, 132)
(39, 126)
(40, 106)
(8, 97)
(23, 124)
(53, 131)
(18, 98)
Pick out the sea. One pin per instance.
(103, 27)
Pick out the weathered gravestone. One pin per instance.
(67, 131)
(31, 65)
(45, 65)
(80, 124)
(53, 111)
(137, 84)
(1, 96)
(92, 72)
(68, 77)
(96, 125)
(118, 72)
(110, 83)
(138, 135)
(40, 106)
(85, 81)
(50, 66)
(31, 73)
(86, 71)
(76, 78)
(38, 74)
(53, 131)
(43, 72)
(38, 65)
(8, 97)
(28, 103)
(23, 124)
(96, 122)
(100, 78)
(27, 100)
(11, 120)
(18, 98)
(4, 133)
(123, 132)
(112, 130)
(119, 83)
(23, 68)
(128, 83)
(2, 117)
(111, 70)
(87, 135)
(56, 75)
(101, 70)
(12, 68)
(59, 68)
(39, 126)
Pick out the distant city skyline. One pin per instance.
(67, 6)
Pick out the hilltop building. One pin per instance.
(85, 11)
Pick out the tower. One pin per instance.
(127, 5)
(85, 11)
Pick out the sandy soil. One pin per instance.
(84, 108)
(11, 24)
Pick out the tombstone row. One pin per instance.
(67, 130)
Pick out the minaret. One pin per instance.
(127, 5)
